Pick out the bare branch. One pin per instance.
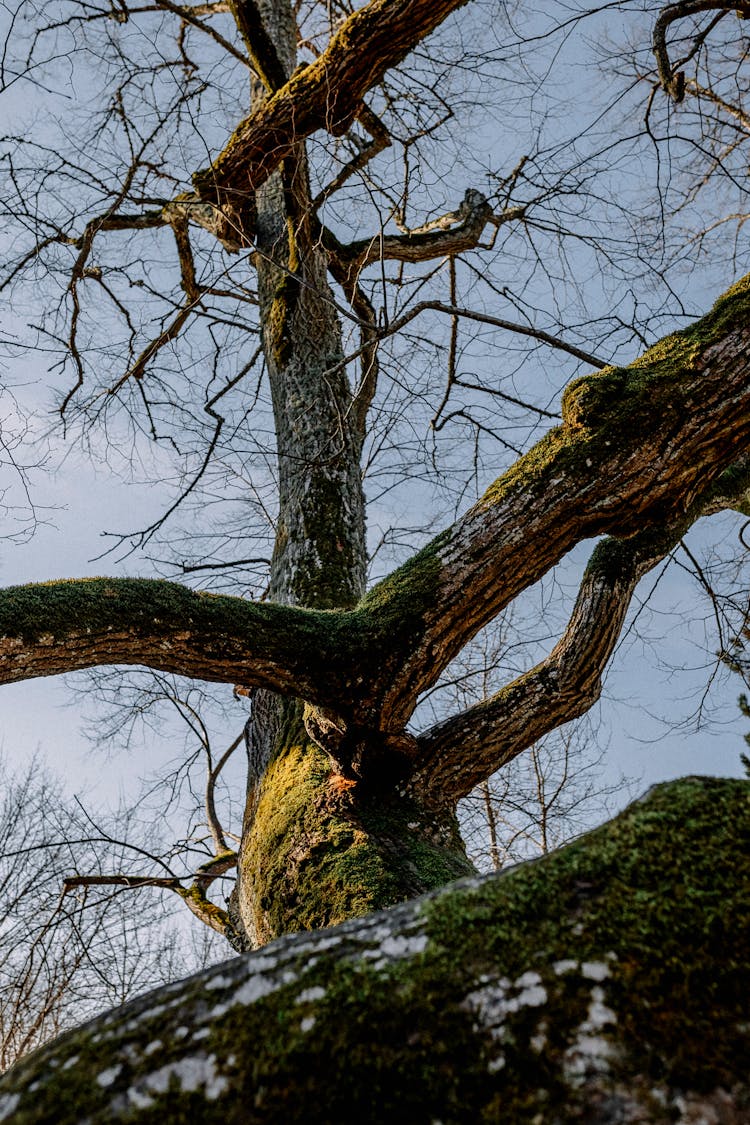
(221, 847)
(700, 91)
(496, 322)
(381, 139)
(674, 84)
(450, 234)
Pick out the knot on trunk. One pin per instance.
(375, 758)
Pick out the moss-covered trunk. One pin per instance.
(307, 858)
(319, 848)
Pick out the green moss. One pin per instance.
(649, 914)
(319, 852)
(592, 400)
(277, 327)
(218, 627)
(395, 607)
(665, 888)
(308, 866)
(603, 409)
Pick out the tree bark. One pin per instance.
(604, 984)
(319, 557)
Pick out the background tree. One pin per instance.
(65, 956)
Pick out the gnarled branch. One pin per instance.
(673, 83)
(452, 233)
(324, 95)
(637, 446)
(457, 754)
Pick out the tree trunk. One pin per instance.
(604, 984)
(315, 850)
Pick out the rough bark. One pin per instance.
(55, 627)
(636, 447)
(636, 450)
(316, 850)
(324, 95)
(606, 983)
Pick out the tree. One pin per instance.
(348, 808)
(63, 957)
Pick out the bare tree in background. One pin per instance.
(545, 798)
(66, 956)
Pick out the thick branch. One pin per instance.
(637, 446)
(324, 95)
(259, 44)
(62, 626)
(457, 754)
(453, 233)
(580, 987)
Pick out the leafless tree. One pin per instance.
(253, 264)
(66, 956)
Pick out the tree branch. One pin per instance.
(497, 322)
(193, 896)
(381, 139)
(452, 233)
(457, 754)
(636, 447)
(57, 627)
(674, 83)
(324, 95)
(260, 48)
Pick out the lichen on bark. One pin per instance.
(606, 983)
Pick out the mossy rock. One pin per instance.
(608, 982)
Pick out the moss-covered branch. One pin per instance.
(55, 627)
(324, 95)
(457, 754)
(606, 982)
(636, 447)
